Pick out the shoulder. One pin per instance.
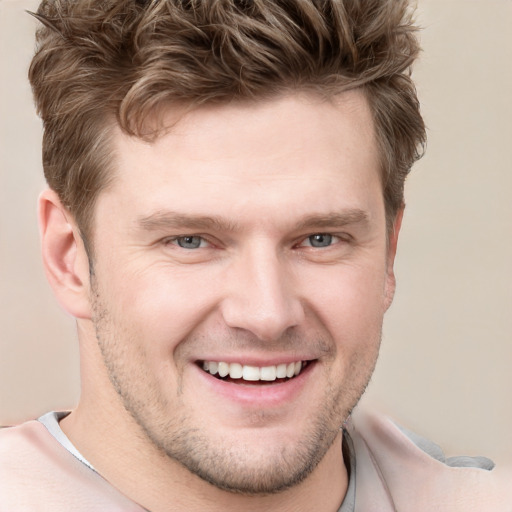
(407, 472)
(37, 473)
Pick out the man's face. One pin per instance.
(251, 240)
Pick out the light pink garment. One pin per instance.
(392, 474)
(38, 474)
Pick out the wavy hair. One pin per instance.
(100, 62)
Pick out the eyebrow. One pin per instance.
(174, 220)
(334, 219)
(162, 220)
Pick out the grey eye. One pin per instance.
(189, 242)
(320, 240)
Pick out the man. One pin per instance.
(226, 193)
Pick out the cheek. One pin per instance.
(160, 307)
(349, 300)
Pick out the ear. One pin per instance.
(64, 257)
(391, 253)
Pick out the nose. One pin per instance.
(261, 298)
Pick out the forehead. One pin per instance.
(251, 155)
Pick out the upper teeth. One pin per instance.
(253, 373)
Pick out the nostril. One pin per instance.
(262, 301)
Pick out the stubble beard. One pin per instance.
(221, 462)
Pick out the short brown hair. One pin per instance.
(101, 61)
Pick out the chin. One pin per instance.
(262, 465)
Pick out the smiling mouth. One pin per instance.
(239, 373)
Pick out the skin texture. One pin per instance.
(253, 183)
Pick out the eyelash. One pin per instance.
(202, 240)
(332, 240)
(175, 241)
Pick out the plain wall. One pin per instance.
(445, 362)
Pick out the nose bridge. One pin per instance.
(262, 297)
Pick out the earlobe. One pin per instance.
(64, 257)
(392, 247)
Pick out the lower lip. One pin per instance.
(259, 395)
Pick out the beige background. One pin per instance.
(445, 368)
